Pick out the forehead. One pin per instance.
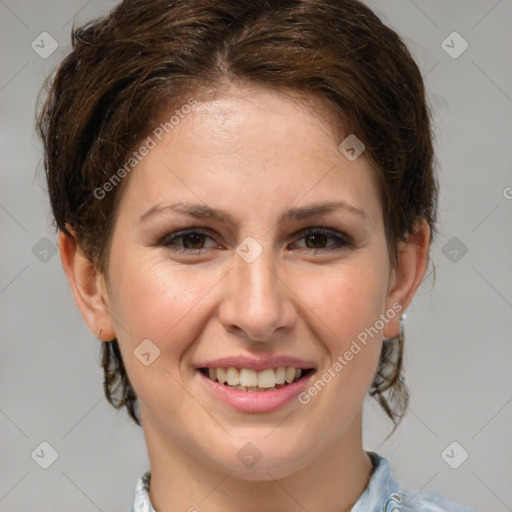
(250, 148)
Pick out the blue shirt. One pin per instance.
(382, 494)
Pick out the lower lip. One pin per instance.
(256, 401)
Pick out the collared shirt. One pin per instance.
(382, 494)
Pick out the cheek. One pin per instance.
(169, 305)
(347, 303)
(347, 299)
(158, 296)
(162, 301)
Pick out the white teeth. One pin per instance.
(280, 375)
(267, 378)
(221, 375)
(249, 378)
(233, 377)
(290, 374)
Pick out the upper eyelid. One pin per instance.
(300, 234)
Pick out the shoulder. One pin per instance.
(385, 494)
(425, 501)
(142, 502)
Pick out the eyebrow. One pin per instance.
(202, 211)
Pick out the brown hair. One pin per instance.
(145, 57)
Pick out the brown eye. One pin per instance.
(318, 240)
(192, 241)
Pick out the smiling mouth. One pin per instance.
(245, 379)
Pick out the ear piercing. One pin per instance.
(99, 332)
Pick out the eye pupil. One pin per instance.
(193, 242)
(317, 238)
(196, 239)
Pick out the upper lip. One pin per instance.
(257, 363)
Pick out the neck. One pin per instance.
(332, 482)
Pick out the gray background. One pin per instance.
(458, 355)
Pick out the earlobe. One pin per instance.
(87, 285)
(411, 267)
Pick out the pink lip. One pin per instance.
(259, 364)
(257, 401)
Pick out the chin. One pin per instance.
(251, 464)
(265, 472)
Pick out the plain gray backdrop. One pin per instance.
(458, 350)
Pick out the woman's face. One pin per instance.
(252, 286)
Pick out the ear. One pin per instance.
(88, 286)
(406, 278)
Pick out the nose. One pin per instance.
(258, 303)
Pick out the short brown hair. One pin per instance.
(145, 57)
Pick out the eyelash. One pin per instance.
(341, 240)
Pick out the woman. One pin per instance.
(245, 199)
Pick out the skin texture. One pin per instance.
(254, 153)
